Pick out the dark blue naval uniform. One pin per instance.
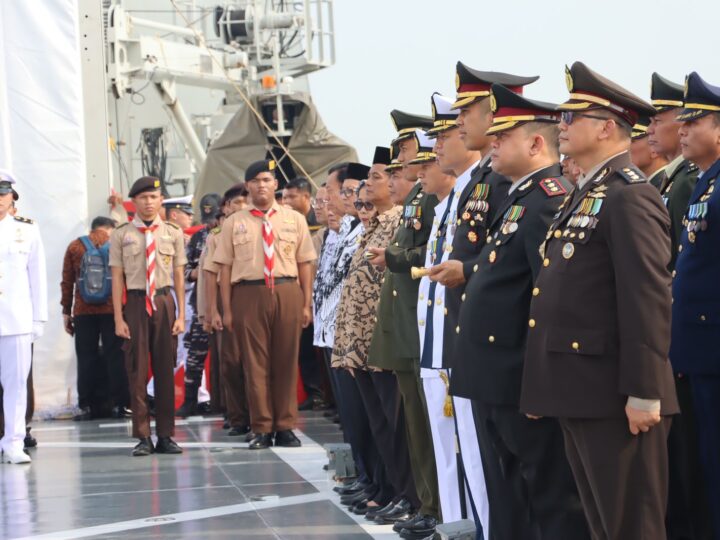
(694, 348)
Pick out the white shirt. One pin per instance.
(517, 183)
(460, 184)
(23, 279)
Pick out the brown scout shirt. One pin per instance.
(208, 263)
(240, 244)
(127, 251)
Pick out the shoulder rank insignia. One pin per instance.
(552, 187)
(215, 230)
(123, 224)
(173, 225)
(692, 167)
(23, 220)
(632, 175)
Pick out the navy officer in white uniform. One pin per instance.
(23, 312)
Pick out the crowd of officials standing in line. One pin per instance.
(515, 303)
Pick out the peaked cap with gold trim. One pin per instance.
(473, 85)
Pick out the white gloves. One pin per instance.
(38, 329)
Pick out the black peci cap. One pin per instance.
(358, 171)
(382, 155)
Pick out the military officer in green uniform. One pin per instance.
(681, 174)
(644, 156)
(395, 344)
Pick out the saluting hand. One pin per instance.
(178, 327)
(122, 329)
(450, 273)
(639, 420)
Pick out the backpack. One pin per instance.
(95, 280)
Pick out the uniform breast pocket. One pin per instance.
(583, 342)
(242, 247)
(166, 250)
(287, 245)
(130, 251)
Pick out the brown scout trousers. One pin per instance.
(267, 324)
(151, 339)
(233, 378)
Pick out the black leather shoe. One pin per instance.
(336, 419)
(204, 408)
(189, 407)
(261, 441)
(349, 500)
(400, 512)
(166, 445)
(330, 413)
(287, 439)
(361, 507)
(238, 430)
(143, 448)
(375, 512)
(250, 436)
(350, 489)
(420, 529)
(400, 525)
(118, 412)
(30, 441)
(226, 423)
(83, 415)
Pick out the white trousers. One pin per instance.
(15, 360)
(443, 434)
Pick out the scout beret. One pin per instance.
(141, 185)
(406, 124)
(510, 110)
(264, 165)
(382, 155)
(701, 98)
(665, 94)
(473, 85)
(590, 90)
(358, 171)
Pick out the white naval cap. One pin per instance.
(444, 117)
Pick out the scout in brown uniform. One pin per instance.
(147, 256)
(233, 377)
(598, 339)
(264, 251)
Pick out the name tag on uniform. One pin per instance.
(240, 228)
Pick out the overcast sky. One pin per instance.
(396, 53)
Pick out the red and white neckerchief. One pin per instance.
(150, 246)
(268, 244)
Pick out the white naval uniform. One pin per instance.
(436, 391)
(23, 310)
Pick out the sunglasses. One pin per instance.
(567, 117)
(359, 205)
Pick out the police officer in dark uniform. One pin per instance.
(688, 515)
(696, 294)
(395, 344)
(598, 342)
(490, 347)
(474, 208)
